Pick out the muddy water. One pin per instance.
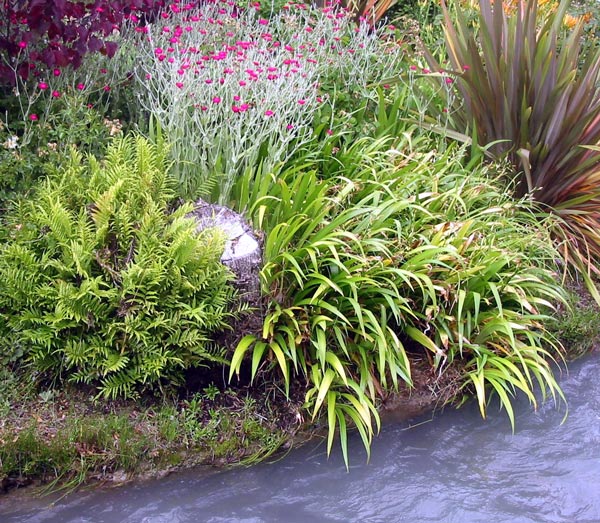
(454, 468)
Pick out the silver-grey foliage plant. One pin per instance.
(233, 91)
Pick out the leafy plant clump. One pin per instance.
(411, 255)
(103, 283)
(27, 153)
(236, 92)
(528, 89)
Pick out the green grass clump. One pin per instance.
(75, 438)
(413, 252)
(577, 325)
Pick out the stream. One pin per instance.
(455, 467)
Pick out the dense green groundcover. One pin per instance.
(104, 284)
(398, 242)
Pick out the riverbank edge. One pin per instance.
(59, 441)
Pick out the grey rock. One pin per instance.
(242, 254)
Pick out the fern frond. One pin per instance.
(103, 283)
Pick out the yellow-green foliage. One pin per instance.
(103, 284)
(410, 254)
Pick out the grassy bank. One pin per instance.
(61, 439)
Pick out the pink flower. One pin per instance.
(262, 21)
(216, 100)
(23, 45)
(80, 87)
(106, 88)
(466, 68)
(56, 72)
(242, 83)
(301, 102)
(55, 94)
(33, 117)
(43, 86)
(179, 84)
(449, 81)
(329, 132)
(268, 112)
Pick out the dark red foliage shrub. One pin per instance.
(53, 34)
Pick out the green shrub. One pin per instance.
(412, 253)
(103, 284)
(32, 148)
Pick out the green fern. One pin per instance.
(103, 284)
